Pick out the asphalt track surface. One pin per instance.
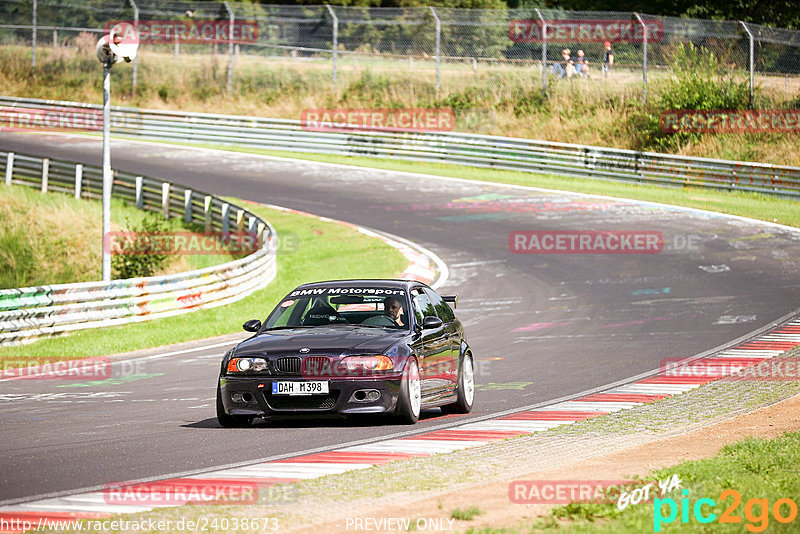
(541, 326)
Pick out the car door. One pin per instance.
(434, 348)
(448, 366)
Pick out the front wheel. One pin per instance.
(230, 421)
(465, 391)
(408, 405)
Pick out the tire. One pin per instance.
(410, 400)
(230, 421)
(465, 391)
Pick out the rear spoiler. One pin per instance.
(452, 299)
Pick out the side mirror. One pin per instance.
(431, 322)
(253, 325)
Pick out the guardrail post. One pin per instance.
(335, 43)
(78, 180)
(187, 206)
(438, 44)
(9, 167)
(544, 50)
(165, 199)
(644, 58)
(207, 213)
(33, 37)
(135, 60)
(177, 47)
(55, 38)
(750, 60)
(231, 20)
(45, 173)
(139, 193)
(251, 225)
(226, 223)
(240, 220)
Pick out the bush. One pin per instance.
(700, 84)
(139, 265)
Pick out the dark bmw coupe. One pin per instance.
(350, 347)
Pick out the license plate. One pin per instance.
(318, 387)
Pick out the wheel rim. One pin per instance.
(468, 380)
(414, 390)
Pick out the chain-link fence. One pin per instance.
(441, 49)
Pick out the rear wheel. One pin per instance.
(410, 401)
(229, 421)
(465, 391)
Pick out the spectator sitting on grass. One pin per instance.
(566, 67)
(582, 65)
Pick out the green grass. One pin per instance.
(497, 99)
(325, 250)
(47, 238)
(465, 514)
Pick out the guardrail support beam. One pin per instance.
(207, 213)
(226, 223)
(139, 192)
(45, 173)
(9, 167)
(78, 180)
(187, 206)
(165, 199)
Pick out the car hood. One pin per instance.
(320, 340)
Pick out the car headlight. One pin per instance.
(243, 365)
(367, 364)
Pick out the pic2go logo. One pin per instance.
(756, 511)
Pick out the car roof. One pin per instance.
(380, 283)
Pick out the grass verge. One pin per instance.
(747, 479)
(47, 238)
(325, 250)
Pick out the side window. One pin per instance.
(443, 310)
(422, 305)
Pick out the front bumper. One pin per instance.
(342, 396)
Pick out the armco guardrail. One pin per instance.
(32, 312)
(458, 148)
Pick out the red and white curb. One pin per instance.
(98, 505)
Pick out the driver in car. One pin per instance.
(393, 308)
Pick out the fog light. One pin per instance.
(236, 397)
(373, 395)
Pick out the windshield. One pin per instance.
(361, 306)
